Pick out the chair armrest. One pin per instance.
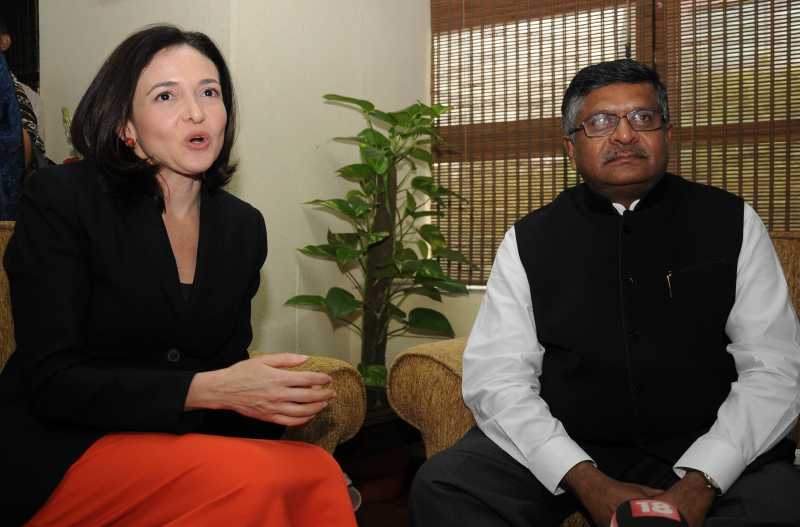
(343, 417)
(424, 388)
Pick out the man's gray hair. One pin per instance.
(598, 75)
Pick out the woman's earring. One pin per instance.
(130, 142)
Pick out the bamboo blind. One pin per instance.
(503, 66)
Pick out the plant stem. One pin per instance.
(379, 256)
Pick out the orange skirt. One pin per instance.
(144, 479)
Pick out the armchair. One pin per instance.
(337, 423)
(424, 385)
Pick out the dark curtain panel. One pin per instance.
(22, 17)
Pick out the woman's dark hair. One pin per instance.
(107, 106)
(598, 75)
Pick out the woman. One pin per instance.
(130, 399)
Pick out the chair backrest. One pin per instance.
(787, 245)
(7, 343)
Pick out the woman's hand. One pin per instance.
(263, 389)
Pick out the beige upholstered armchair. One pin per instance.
(425, 380)
(338, 422)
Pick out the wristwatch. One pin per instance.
(710, 483)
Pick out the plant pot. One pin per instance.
(376, 398)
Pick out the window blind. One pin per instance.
(733, 75)
(503, 66)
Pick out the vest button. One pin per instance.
(633, 334)
(629, 280)
(637, 388)
(174, 355)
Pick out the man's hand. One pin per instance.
(600, 494)
(691, 496)
(262, 388)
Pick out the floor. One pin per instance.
(381, 460)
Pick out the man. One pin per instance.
(636, 340)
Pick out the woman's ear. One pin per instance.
(127, 132)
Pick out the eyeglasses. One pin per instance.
(603, 124)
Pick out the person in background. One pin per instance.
(12, 145)
(636, 340)
(130, 398)
(30, 107)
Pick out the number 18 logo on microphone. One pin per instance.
(653, 509)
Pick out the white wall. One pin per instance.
(284, 55)
(76, 36)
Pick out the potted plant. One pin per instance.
(393, 251)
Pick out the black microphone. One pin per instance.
(647, 513)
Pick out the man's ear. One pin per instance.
(5, 41)
(569, 146)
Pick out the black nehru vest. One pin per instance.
(631, 310)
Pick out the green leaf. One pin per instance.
(405, 254)
(424, 184)
(422, 155)
(373, 374)
(374, 138)
(344, 239)
(411, 203)
(341, 303)
(450, 254)
(426, 213)
(431, 269)
(431, 234)
(423, 320)
(415, 110)
(383, 116)
(353, 194)
(402, 118)
(375, 158)
(423, 248)
(357, 172)
(338, 205)
(448, 285)
(410, 267)
(345, 255)
(396, 313)
(390, 271)
(320, 251)
(376, 237)
(428, 291)
(439, 109)
(361, 103)
(421, 129)
(306, 301)
(356, 140)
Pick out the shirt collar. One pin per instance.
(621, 208)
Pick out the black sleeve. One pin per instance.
(48, 264)
(231, 423)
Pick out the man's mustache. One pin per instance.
(628, 152)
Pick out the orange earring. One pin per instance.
(130, 142)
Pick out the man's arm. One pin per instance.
(502, 364)
(764, 402)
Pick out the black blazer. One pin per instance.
(105, 340)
